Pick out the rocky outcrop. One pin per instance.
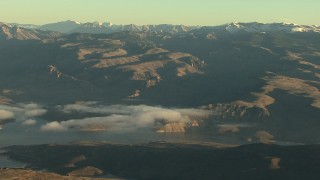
(175, 127)
(275, 163)
(236, 111)
(265, 137)
(75, 160)
(55, 71)
(86, 171)
(135, 94)
(178, 127)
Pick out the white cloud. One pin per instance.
(29, 122)
(118, 118)
(93, 107)
(35, 112)
(22, 112)
(5, 114)
(122, 118)
(52, 126)
(30, 106)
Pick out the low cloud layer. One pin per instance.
(53, 126)
(4, 115)
(121, 118)
(29, 122)
(33, 110)
(22, 112)
(115, 118)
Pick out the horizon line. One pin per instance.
(247, 22)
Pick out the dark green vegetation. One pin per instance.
(162, 160)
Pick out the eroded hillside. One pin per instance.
(264, 80)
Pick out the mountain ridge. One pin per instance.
(96, 27)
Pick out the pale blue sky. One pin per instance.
(189, 12)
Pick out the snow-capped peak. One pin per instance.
(236, 27)
(107, 24)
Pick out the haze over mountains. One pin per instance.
(107, 27)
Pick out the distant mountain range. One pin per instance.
(69, 27)
(14, 31)
(106, 27)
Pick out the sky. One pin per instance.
(188, 12)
